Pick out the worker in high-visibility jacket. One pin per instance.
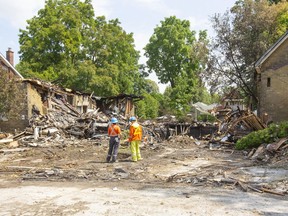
(135, 136)
(114, 132)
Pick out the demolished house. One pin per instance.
(50, 108)
(7, 66)
(272, 79)
(42, 97)
(233, 100)
(234, 119)
(122, 104)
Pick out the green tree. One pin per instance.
(274, 1)
(113, 52)
(148, 108)
(165, 102)
(168, 49)
(54, 38)
(243, 34)
(79, 51)
(177, 57)
(151, 86)
(208, 98)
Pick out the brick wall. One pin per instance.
(274, 72)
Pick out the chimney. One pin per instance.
(10, 56)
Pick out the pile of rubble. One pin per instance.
(228, 173)
(235, 125)
(64, 122)
(274, 153)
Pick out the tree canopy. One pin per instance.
(243, 34)
(80, 51)
(177, 56)
(168, 49)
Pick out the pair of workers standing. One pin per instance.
(135, 136)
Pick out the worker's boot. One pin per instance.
(108, 159)
(114, 159)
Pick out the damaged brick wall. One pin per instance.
(33, 98)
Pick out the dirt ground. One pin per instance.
(179, 176)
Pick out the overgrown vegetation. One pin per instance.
(267, 135)
(11, 96)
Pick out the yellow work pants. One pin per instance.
(135, 150)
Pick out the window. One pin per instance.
(268, 82)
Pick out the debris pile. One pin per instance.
(237, 124)
(226, 174)
(274, 153)
(217, 177)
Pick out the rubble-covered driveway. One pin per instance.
(177, 177)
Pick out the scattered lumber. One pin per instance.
(275, 146)
(272, 192)
(6, 141)
(254, 189)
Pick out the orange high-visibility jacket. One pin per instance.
(135, 132)
(114, 130)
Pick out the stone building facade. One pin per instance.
(272, 82)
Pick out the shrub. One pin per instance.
(267, 135)
(206, 118)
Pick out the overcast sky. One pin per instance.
(137, 16)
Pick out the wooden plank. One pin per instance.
(254, 189)
(272, 192)
(6, 141)
(243, 186)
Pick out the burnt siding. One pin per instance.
(273, 99)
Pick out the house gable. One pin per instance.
(272, 82)
(270, 59)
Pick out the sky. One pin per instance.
(139, 17)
